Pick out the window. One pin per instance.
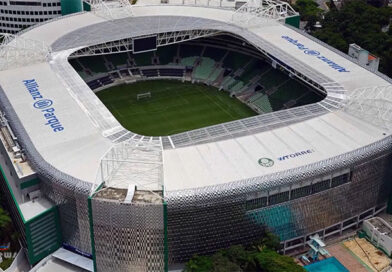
(278, 198)
(320, 186)
(339, 180)
(256, 203)
(301, 192)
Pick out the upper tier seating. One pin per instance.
(214, 53)
(166, 54)
(95, 64)
(117, 59)
(188, 50)
(143, 59)
(235, 60)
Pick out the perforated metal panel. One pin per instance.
(128, 237)
(201, 223)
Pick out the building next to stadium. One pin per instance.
(16, 15)
(77, 182)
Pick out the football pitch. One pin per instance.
(173, 107)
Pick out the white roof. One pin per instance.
(89, 127)
(237, 159)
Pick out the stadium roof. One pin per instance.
(89, 142)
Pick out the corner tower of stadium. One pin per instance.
(313, 157)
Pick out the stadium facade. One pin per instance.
(75, 178)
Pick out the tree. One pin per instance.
(199, 264)
(270, 261)
(5, 219)
(360, 23)
(261, 256)
(223, 264)
(308, 10)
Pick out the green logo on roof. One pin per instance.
(266, 162)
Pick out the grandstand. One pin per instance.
(314, 157)
(207, 62)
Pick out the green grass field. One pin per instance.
(174, 107)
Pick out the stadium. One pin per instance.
(136, 136)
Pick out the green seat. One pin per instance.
(205, 68)
(188, 61)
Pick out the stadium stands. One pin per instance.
(235, 60)
(189, 61)
(166, 54)
(143, 59)
(118, 59)
(172, 72)
(95, 64)
(150, 72)
(187, 50)
(216, 73)
(263, 104)
(214, 53)
(252, 80)
(204, 69)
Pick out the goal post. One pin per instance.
(143, 95)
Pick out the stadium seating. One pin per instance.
(236, 87)
(271, 78)
(235, 60)
(187, 50)
(204, 69)
(124, 72)
(256, 68)
(143, 59)
(307, 98)
(214, 76)
(166, 54)
(75, 64)
(189, 61)
(150, 72)
(263, 104)
(172, 72)
(94, 84)
(227, 82)
(95, 64)
(253, 81)
(214, 53)
(290, 90)
(117, 59)
(256, 96)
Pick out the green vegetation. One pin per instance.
(258, 257)
(6, 263)
(174, 106)
(360, 23)
(7, 234)
(309, 11)
(5, 219)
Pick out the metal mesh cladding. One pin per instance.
(202, 222)
(128, 237)
(64, 190)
